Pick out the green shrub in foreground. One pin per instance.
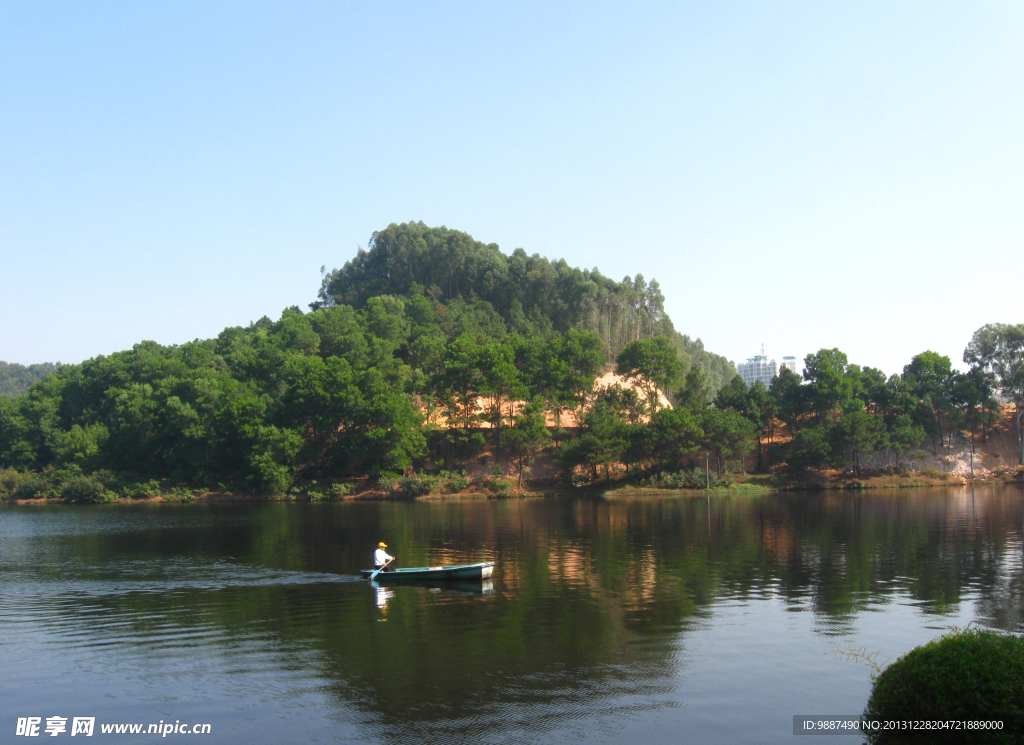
(965, 675)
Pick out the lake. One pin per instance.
(673, 619)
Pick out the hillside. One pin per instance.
(529, 294)
(15, 379)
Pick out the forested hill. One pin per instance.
(526, 294)
(15, 379)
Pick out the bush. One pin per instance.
(86, 490)
(456, 480)
(387, 482)
(9, 479)
(418, 486)
(179, 494)
(502, 487)
(693, 479)
(141, 489)
(340, 489)
(967, 674)
(33, 486)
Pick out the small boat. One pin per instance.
(482, 570)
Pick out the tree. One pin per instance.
(999, 348)
(860, 433)
(790, 398)
(693, 395)
(733, 395)
(528, 436)
(904, 435)
(761, 409)
(927, 379)
(672, 436)
(459, 380)
(603, 441)
(727, 435)
(829, 384)
(970, 393)
(501, 380)
(653, 364)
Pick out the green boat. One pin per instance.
(483, 570)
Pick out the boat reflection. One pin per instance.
(462, 587)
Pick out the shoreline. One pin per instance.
(748, 484)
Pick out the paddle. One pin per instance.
(381, 569)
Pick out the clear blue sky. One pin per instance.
(802, 174)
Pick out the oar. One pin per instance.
(380, 570)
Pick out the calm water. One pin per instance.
(679, 618)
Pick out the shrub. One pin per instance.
(418, 486)
(33, 486)
(9, 479)
(340, 489)
(141, 489)
(387, 482)
(456, 482)
(502, 487)
(693, 479)
(86, 490)
(933, 473)
(967, 674)
(313, 491)
(179, 494)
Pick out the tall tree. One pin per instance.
(927, 379)
(999, 348)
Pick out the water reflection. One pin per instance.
(605, 619)
(382, 594)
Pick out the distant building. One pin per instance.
(760, 368)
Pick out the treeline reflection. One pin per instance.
(591, 597)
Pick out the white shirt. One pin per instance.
(380, 557)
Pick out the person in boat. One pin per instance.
(381, 559)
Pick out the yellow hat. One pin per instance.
(382, 544)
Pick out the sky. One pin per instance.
(802, 175)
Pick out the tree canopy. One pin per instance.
(528, 293)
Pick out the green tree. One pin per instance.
(673, 435)
(791, 399)
(860, 433)
(761, 409)
(927, 380)
(694, 393)
(501, 381)
(727, 436)
(829, 384)
(999, 348)
(653, 365)
(904, 435)
(602, 442)
(529, 435)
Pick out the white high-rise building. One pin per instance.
(761, 368)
